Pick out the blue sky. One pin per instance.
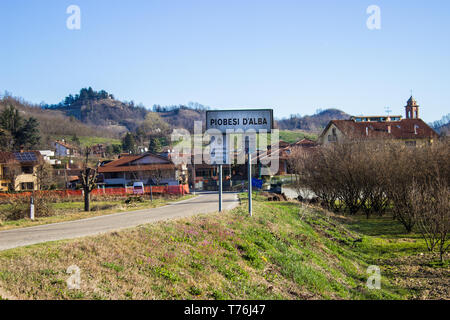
(292, 56)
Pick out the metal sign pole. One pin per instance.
(239, 121)
(220, 188)
(193, 174)
(249, 183)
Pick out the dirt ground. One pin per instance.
(419, 275)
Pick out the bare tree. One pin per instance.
(11, 171)
(44, 176)
(430, 203)
(88, 179)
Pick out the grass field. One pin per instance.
(74, 210)
(284, 251)
(89, 141)
(294, 136)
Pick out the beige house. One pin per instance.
(18, 170)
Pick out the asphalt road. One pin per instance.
(203, 203)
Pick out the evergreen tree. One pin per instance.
(117, 148)
(23, 133)
(75, 139)
(129, 143)
(155, 145)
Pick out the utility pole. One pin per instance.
(193, 175)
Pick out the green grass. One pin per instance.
(88, 140)
(285, 251)
(294, 136)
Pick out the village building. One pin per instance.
(284, 154)
(49, 157)
(63, 149)
(98, 150)
(410, 131)
(18, 170)
(149, 168)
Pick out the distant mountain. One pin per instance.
(314, 123)
(442, 126)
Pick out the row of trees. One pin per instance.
(130, 143)
(190, 106)
(85, 94)
(412, 183)
(153, 132)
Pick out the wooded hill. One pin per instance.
(53, 122)
(314, 123)
(99, 114)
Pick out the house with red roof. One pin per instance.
(149, 168)
(410, 131)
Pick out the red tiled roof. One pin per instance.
(403, 129)
(11, 157)
(65, 144)
(125, 164)
(7, 157)
(146, 167)
(305, 143)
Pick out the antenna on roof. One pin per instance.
(387, 110)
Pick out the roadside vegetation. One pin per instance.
(287, 250)
(410, 184)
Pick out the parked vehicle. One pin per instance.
(138, 187)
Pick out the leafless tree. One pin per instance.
(88, 179)
(44, 176)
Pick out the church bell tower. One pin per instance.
(412, 109)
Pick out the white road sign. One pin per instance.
(256, 119)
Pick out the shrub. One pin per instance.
(374, 176)
(19, 207)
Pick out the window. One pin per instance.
(27, 186)
(27, 169)
(410, 143)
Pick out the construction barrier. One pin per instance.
(180, 190)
